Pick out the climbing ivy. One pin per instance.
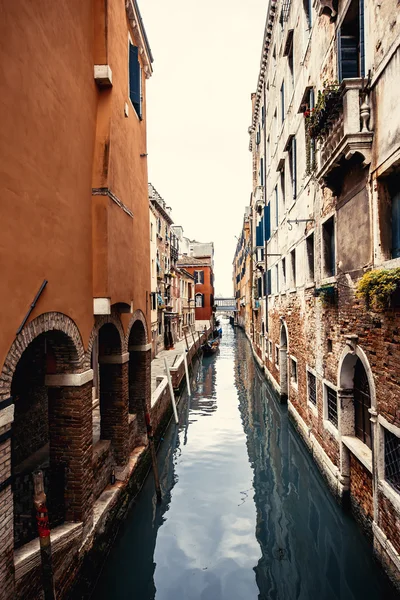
(377, 287)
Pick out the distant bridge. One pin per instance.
(225, 304)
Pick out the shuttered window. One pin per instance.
(351, 43)
(396, 225)
(135, 91)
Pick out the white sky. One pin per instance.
(206, 63)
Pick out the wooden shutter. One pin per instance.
(294, 168)
(396, 225)
(201, 277)
(362, 34)
(134, 79)
(267, 222)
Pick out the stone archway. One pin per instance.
(46, 423)
(283, 361)
(139, 379)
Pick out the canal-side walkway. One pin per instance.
(173, 355)
(245, 514)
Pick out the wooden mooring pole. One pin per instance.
(187, 374)
(43, 527)
(153, 453)
(171, 391)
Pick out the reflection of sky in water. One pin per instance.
(244, 513)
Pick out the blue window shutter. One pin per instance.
(267, 222)
(294, 166)
(396, 225)
(134, 79)
(362, 34)
(269, 282)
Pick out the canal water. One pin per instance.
(245, 514)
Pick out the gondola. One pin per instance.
(209, 348)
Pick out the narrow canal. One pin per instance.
(245, 514)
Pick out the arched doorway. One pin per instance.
(139, 381)
(283, 363)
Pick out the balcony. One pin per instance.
(345, 132)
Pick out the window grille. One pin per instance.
(331, 400)
(312, 388)
(286, 9)
(392, 459)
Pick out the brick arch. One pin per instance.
(100, 321)
(67, 344)
(138, 316)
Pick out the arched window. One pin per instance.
(362, 402)
(199, 300)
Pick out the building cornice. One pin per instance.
(136, 22)
(271, 12)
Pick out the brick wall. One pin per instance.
(361, 493)
(389, 521)
(70, 418)
(114, 408)
(102, 465)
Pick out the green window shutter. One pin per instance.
(134, 79)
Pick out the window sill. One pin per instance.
(391, 263)
(331, 428)
(328, 280)
(312, 407)
(294, 385)
(292, 291)
(310, 285)
(359, 449)
(391, 494)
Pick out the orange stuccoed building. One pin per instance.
(75, 271)
(202, 270)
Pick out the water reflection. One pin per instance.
(245, 514)
(310, 547)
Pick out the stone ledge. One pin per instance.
(69, 379)
(114, 359)
(28, 557)
(359, 449)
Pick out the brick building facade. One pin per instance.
(75, 368)
(324, 216)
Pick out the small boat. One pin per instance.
(209, 348)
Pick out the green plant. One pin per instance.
(326, 110)
(326, 294)
(377, 287)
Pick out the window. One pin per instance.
(276, 206)
(268, 151)
(277, 278)
(331, 405)
(135, 80)
(312, 388)
(199, 276)
(153, 300)
(293, 371)
(283, 272)
(276, 355)
(293, 266)
(262, 116)
(328, 247)
(152, 268)
(362, 404)
(293, 166)
(211, 300)
(290, 60)
(258, 136)
(351, 51)
(282, 101)
(310, 256)
(392, 459)
(307, 4)
(329, 345)
(199, 300)
(261, 171)
(151, 232)
(269, 282)
(282, 182)
(270, 349)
